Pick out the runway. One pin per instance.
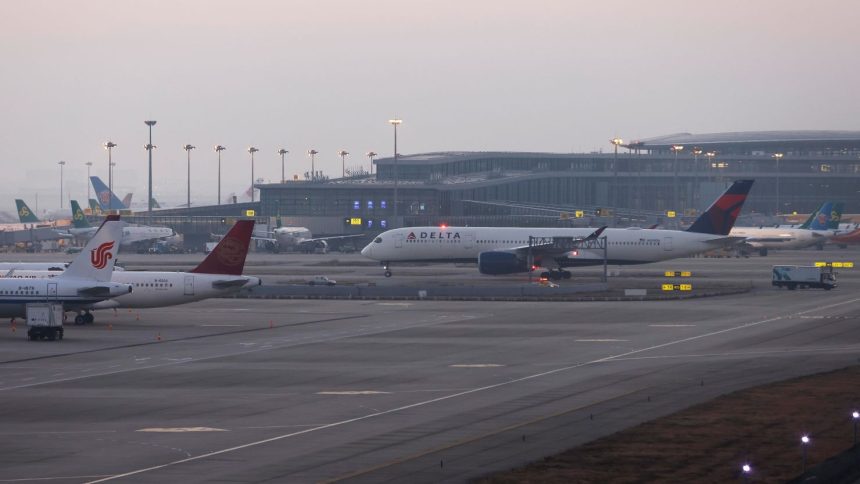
(375, 391)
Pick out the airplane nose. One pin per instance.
(366, 251)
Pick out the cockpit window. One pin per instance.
(377, 240)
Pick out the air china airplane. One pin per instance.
(505, 250)
(131, 234)
(220, 273)
(86, 281)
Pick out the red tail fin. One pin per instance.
(228, 257)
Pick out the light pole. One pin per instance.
(149, 146)
(188, 149)
(282, 152)
(675, 205)
(711, 155)
(219, 149)
(804, 443)
(746, 469)
(696, 195)
(615, 142)
(313, 154)
(342, 154)
(62, 164)
(252, 150)
(777, 157)
(89, 165)
(110, 145)
(395, 122)
(370, 155)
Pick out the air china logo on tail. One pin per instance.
(100, 256)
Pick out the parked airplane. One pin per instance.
(25, 215)
(106, 198)
(505, 250)
(815, 231)
(219, 274)
(131, 234)
(297, 238)
(86, 281)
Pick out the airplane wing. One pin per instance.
(556, 246)
(335, 237)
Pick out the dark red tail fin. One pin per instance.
(720, 217)
(228, 257)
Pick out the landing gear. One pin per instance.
(387, 272)
(555, 275)
(84, 318)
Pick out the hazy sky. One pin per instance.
(554, 76)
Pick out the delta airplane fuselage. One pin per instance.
(152, 289)
(465, 244)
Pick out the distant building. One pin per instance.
(474, 187)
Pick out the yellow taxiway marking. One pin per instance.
(353, 392)
(180, 429)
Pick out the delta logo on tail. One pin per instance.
(100, 256)
(411, 236)
(720, 217)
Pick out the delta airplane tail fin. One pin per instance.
(228, 257)
(79, 220)
(97, 259)
(107, 200)
(721, 215)
(25, 215)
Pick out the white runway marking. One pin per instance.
(180, 429)
(353, 392)
(476, 365)
(460, 394)
(671, 325)
(602, 340)
(221, 325)
(61, 478)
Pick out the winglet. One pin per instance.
(721, 215)
(97, 259)
(228, 257)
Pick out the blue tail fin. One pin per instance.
(820, 219)
(720, 217)
(107, 200)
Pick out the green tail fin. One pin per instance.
(25, 215)
(79, 220)
(95, 209)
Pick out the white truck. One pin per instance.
(793, 277)
(45, 321)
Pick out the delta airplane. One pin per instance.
(131, 234)
(815, 231)
(505, 250)
(219, 274)
(87, 280)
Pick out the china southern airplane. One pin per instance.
(506, 250)
(219, 274)
(86, 281)
(821, 226)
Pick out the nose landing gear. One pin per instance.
(387, 272)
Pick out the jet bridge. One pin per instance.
(562, 245)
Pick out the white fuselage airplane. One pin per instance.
(780, 238)
(131, 234)
(297, 238)
(219, 274)
(87, 280)
(504, 250)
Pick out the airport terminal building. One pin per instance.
(682, 173)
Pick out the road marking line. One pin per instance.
(352, 392)
(460, 394)
(671, 325)
(65, 478)
(476, 365)
(220, 325)
(180, 429)
(606, 340)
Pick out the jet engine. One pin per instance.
(495, 263)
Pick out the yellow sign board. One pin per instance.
(678, 274)
(677, 287)
(579, 214)
(564, 215)
(839, 265)
(250, 213)
(355, 221)
(670, 214)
